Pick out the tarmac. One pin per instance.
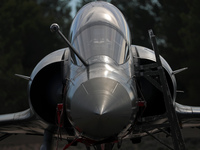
(30, 142)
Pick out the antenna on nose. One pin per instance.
(56, 28)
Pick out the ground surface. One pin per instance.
(27, 142)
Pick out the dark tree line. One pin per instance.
(25, 39)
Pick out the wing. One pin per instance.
(22, 122)
(188, 115)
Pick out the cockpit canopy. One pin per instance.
(99, 28)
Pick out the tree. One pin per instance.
(179, 28)
(25, 38)
(190, 37)
(140, 18)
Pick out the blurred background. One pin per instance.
(25, 39)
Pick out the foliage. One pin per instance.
(25, 39)
(140, 18)
(179, 27)
(190, 37)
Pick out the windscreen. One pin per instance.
(101, 40)
(99, 28)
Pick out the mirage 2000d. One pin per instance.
(101, 89)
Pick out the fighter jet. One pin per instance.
(101, 89)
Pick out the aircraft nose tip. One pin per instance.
(100, 108)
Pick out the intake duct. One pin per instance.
(45, 91)
(152, 95)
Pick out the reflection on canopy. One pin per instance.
(99, 30)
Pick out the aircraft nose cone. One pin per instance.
(100, 108)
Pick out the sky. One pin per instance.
(73, 5)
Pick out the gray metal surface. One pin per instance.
(101, 108)
(101, 99)
(185, 111)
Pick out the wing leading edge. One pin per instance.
(188, 115)
(22, 122)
